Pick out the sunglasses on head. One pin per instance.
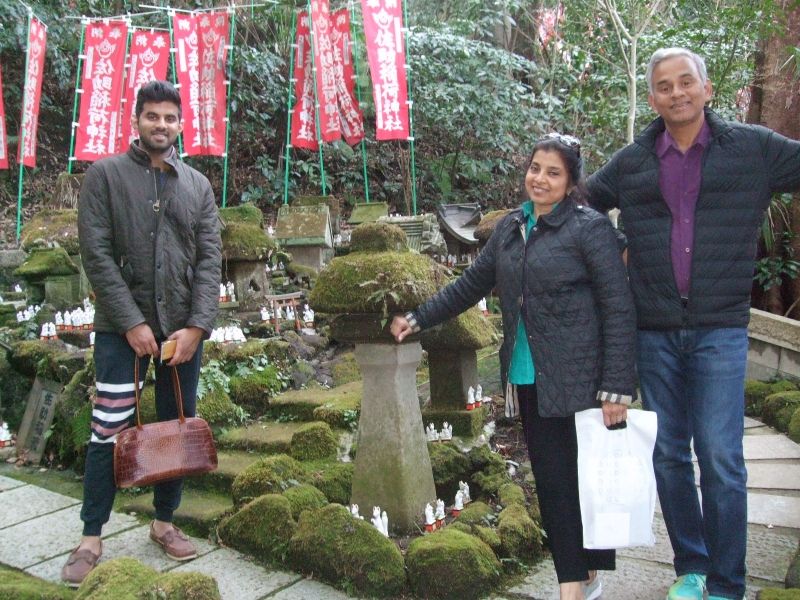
(568, 140)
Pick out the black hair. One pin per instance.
(157, 91)
(572, 161)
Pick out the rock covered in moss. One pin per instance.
(262, 528)
(345, 369)
(18, 585)
(488, 222)
(793, 430)
(314, 441)
(492, 472)
(42, 262)
(52, 225)
(347, 552)
(244, 213)
(778, 408)
(468, 331)
(120, 578)
(450, 466)
(277, 351)
(519, 535)
(451, 564)
(254, 390)
(14, 389)
(378, 237)
(304, 497)
(489, 536)
(754, 393)
(217, 408)
(778, 594)
(481, 457)
(270, 475)
(510, 493)
(475, 513)
(27, 355)
(184, 586)
(334, 479)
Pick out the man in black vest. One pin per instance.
(692, 190)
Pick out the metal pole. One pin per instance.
(74, 126)
(232, 13)
(358, 95)
(172, 52)
(410, 113)
(289, 99)
(316, 102)
(22, 128)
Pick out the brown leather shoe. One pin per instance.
(79, 564)
(175, 544)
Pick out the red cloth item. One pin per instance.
(37, 46)
(350, 116)
(304, 129)
(383, 29)
(3, 137)
(329, 124)
(103, 69)
(201, 41)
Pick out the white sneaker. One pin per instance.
(593, 590)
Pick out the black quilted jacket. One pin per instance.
(743, 166)
(569, 283)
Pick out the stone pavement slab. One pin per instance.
(36, 540)
(28, 501)
(773, 476)
(237, 577)
(133, 543)
(7, 483)
(773, 446)
(308, 588)
(769, 509)
(750, 423)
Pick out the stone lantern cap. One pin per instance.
(46, 261)
(468, 331)
(243, 237)
(50, 225)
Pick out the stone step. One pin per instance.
(338, 406)
(198, 514)
(265, 437)
(230, 464)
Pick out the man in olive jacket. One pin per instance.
(150, 245)
(692, 190)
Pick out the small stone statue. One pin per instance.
(91, 338)
(230, 292)
(354, 512)
(17, 288)
(59, 320)
(45, 332)
(447, 432)
(271, 230)
(478, 393)
(289, 313)
(308, 316)
(439, 512)
(377, 521)
(385, 523)
(266, 268)
(429, 519)
(279, 313)
(5, 435)
(459, 503)
(482, 306)
(280, 265)
(264, 314)
(222, 292)
(20, 316)
(67, 321)
(430, 433)
(471, 398)
(463, 487)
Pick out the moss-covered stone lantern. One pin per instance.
(361, 290)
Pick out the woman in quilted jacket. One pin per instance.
(569, 337)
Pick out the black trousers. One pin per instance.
(553, 450)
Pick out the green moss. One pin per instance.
(14, 390)
(347, 552)
(511, 493)
(314, 441)
(793, 572)
(368, 212)
(489, 536)
(490, 483)
(303, 404)
(277, 351)
(244, 213)
(450, 466)
(261, 528)
(25, 356)
(270, 475)
(475, 513)
(466, 423)
(147, 403)
(520, 536)
(462, 527)
(217, 408)
(775, 404)
(50, 225)
(361, 282)
(378, 237)
(254, 390)
(120, 579)
(314, 200)
(345, 369)
(245, 241)
(783, 385)
(304, 497)
(468, 331)
(793, 430)
(184, 586)
(17, 585)
(334, 479)
(266, 437)
(60, 366)
(302, 272)
(482, 458)
(488, 222)
(451, 564)
(778, 594)
(46, 261)
(754, 393)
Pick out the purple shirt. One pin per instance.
(679, 179)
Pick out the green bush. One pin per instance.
(261, 528)
(270, 475)
(794, 427)
(314, 441)
(774, 408)
(253, 391)
(754, 393)
(217, 408)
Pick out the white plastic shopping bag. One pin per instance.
(616, 481)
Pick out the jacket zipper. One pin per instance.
(157, 203)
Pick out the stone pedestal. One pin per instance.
(452, 372)
(392, 465)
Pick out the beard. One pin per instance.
(147, 144)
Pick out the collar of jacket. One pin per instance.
(647, 138)
(555, 218)
(141, 157)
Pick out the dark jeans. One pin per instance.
(113, 411)
(553, 449)
(694, 380)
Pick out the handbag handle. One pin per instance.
(176, 387)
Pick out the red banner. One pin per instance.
(304, 130)
(103, 68)
(351, 118)
(201, 42)
(37, 46)
(148, 60)
(3, 137)
(383, 29)
(329, 123)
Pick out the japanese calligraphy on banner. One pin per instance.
(329, 122)
(383, 28)
(148, 60)
(304, 132)
(37, 46)
(201, 43)
(103, 68)
(352, 120)
(3, 137)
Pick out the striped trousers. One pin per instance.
(114, 410)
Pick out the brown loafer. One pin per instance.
(79, 564)
(175, 543)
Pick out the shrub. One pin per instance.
(262, 528)
(314, 441)
(270, 475)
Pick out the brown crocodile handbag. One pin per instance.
(158, 452)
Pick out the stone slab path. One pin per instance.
(38, 528)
